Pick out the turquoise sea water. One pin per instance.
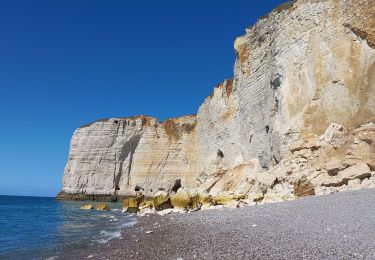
(40, 228)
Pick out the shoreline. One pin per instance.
(88, 197)
(62, 196)
(316, 227)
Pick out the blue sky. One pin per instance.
(66, 63)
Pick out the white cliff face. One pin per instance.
(298, 70)
(119, 156)
(217, 131)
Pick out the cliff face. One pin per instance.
(304, 66)
(121, 155)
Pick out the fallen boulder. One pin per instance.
(162, 201)
(271, 197)
(232, 204)
(87, 207)
(146, 204)
(262, 181)
(194, 202)
(333, 134)
(358, 171)
(181, 200)
(303, 187)
(102, 207)
(205, 200)
(222, 199)
(334, 166)
(253, 197)
(130, 205)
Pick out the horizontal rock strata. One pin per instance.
(295, 120)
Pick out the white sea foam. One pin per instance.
(129, 224)
(108, 236)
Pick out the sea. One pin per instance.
(45, 228)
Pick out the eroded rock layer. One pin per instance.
(293, 121)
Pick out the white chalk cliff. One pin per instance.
(294, 120)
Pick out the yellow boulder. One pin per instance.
(181, 200)
(194, 202)
(87, 206)
(161, 200)
(130, 205)
(146, 204)
(185, 200)
(222, 199)
(102, 206)
(204, 198)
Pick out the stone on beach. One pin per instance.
(303, 187)
(359, 171)
(222, 199)
(134, 204)
(205, 199)
(161, 200)
(185, 200)
(130, 205)
(181, 200)
(146, 204)
(277, 231)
